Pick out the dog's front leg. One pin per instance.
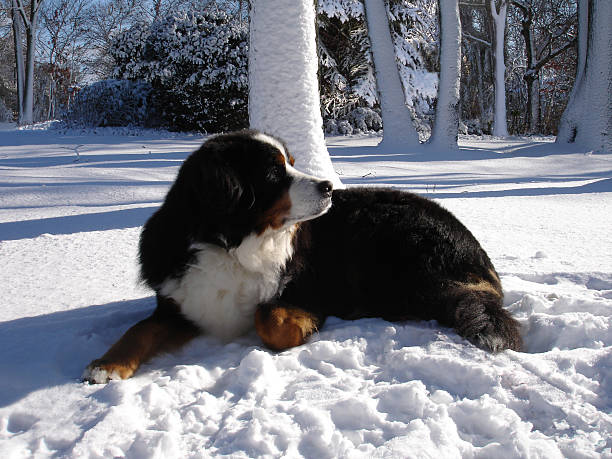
(165, 330)
(281, 326)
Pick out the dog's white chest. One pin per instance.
(221, 290)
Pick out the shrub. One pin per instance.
(6, 115)
(197, 61)
(113, 103)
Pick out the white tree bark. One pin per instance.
(587, 119)
(567, 123)
(399, 132)
(284, 96)
(446, 122)
(500, 126)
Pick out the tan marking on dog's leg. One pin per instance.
(152, 336)
(481, 286)
(283, 327)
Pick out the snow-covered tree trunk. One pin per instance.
(446, 122)
(398, 128)
(587, 119)
(283, 84)
(500, 126)
(567, 124)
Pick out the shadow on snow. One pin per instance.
(69, 224)
(53, 349)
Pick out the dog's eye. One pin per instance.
(275, 173)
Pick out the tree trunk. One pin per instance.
(481, 92)
(532, 81)
(446, 123)
(284, 96)
(28, 20)
(399, 133)
(587, 119)
(567, 124)
(500, 127)
(28, 99)
(19, 65)
(531, 76)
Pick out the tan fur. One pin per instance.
(282, 328)
(482, 286)
(477, 284)
(151, 336)
(276, 215)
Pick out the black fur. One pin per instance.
(391, 254)
(376, 253)
(212, 200)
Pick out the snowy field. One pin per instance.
(71, 206)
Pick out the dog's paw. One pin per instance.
(101, 372)
(282, 328)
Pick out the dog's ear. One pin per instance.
(210, 184)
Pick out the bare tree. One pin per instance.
(25, 23)
(587, 119)
(548, 30)
(106, 19)
(477, 65)
(63, 45)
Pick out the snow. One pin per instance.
(287, 104)
(69, 228)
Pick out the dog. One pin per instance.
(245, 240)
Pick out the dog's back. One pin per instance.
(395, 255)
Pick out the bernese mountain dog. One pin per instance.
(245, 240)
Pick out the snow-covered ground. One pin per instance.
(70, 210)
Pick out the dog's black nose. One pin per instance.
(326, 187)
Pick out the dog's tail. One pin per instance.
(479, 317)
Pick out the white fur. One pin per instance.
(221, 290)
(265, 138)
(306, 199)
(98, 375)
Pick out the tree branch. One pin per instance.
(522, 6)
(472, 37)
(18, 5)
(542, 62)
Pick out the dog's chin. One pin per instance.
(321, 208)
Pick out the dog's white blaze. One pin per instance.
(306, 200)
(222, 289)
(265, 138)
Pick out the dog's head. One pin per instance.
(244, 182)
